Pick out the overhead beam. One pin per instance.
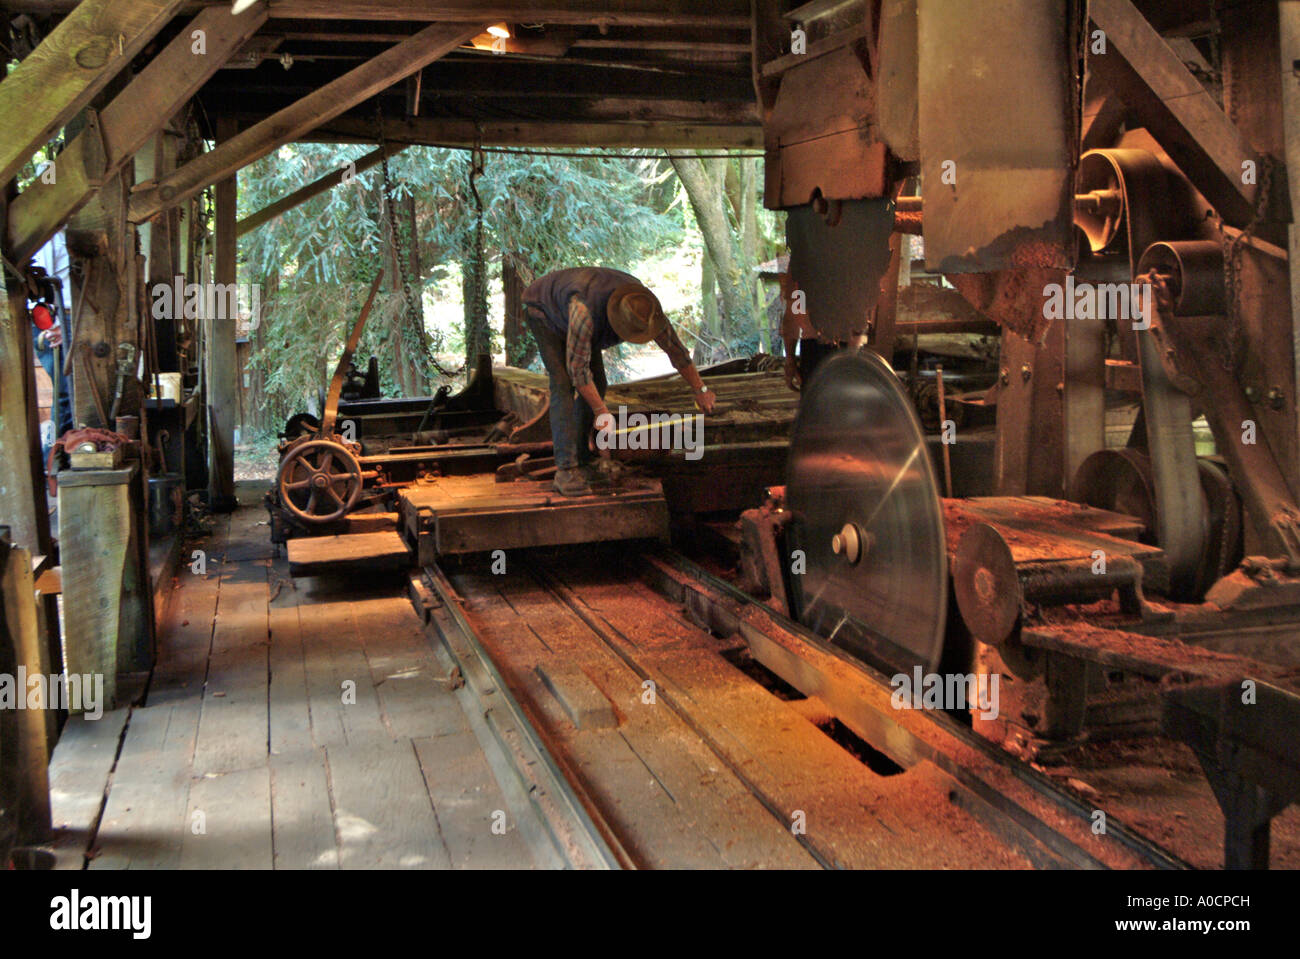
(315, 188)
(294, 121)
(82, 54)
(624, 13)
(126, 124)
(1163, 95)
(465, 133)
(503, 77)
(524, 109)
(717, 14)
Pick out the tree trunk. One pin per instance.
(478, 335)
(703, 189)
(750, 240)
(396, 337)
(515, 276)
(712, 320)
(421, 373)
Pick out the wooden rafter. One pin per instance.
(82, 54)
(139, 111)
(315, 188)
(295, 121)
(716, 14)
(465, 133)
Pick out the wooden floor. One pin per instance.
(288, 724)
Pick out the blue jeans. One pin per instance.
(571, 418)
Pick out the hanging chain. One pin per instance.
(414, 326)
(1232, 262)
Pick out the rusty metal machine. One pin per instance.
(1105, 182)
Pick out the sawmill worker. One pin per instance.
(574, 315)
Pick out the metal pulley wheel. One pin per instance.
(1121, 480)
(319, 481)
(866, 514)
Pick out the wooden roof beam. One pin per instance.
(720, 14)
(314, 189)
(295, 121)
(78, 58)
(465, 133)
(126, 124)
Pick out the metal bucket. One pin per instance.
(29, 857)
(166, 501)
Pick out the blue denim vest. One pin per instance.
(550, 294)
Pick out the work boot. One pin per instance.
(571, 482)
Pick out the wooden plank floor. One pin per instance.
(288, 724)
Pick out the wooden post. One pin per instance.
(103, 315)
(223, 398)
(24, 781)
(22, 493)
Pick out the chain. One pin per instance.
(414, 327)
(1232, 258)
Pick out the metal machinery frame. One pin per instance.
(1125, 173)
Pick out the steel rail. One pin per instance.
(1040, 784)
(579, 838)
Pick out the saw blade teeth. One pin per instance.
(867, 516)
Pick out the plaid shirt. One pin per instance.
(578, 345)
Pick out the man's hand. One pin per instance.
(704, 400)
(604, 438)
(792, 377)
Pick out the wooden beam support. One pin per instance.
(315, 188)
(720, 14)
(82, 54)
(1164, 96)
(22, 495)
(464, 133)
(139, 111)
(24, 775)
(222, 368)
(293, 122)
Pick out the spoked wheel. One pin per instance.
(319, 481)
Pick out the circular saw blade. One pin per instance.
(866, 513)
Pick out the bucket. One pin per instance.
(166, 501)
(29, 857)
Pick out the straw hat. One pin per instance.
(635, 314)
